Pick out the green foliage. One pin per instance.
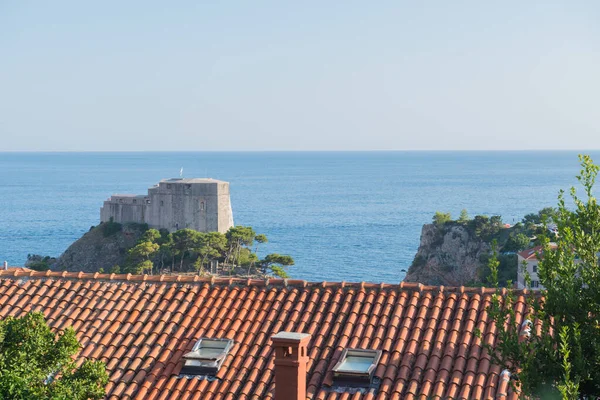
(151, 235)
(136, 226)
(516, 242)
(486, 227)
(276, 263)
(261, 238)
(238, 237)
(36, 363)
(464, 216)
(568, 310)
(184, 240)
(496, 221)
(569, 388)
(493, 265)
(38, 263)
(195, 251)
(209, 246)
(110, 228)
(547, 214)
(279, 271)
(441, 218)
(138, 259)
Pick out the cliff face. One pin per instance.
(98, 249)
(448, 255)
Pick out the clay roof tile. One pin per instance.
(142, 325)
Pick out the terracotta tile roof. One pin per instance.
(531, 254)
(21, 269)
(142, 325)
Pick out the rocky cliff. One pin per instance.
(102, 247)
(449, 254)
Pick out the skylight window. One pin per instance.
(206, 357)
(355, 367)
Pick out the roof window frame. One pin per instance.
(355, 378)
(196, 363)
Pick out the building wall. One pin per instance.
(176, 204)
(123, 209)
(531, 268)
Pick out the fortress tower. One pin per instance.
(201, 204)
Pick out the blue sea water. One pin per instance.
(353, 216)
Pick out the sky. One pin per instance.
(299, 75)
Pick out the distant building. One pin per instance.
(530, 256)
(201, 204)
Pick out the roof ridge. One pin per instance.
(229, 281)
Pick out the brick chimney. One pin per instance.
(291, 357)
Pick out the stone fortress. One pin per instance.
(202, 204)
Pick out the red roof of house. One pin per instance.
(140, 326)
(531, 254)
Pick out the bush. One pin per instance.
(110, 228)
(441, 218)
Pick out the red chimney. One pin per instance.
(291, 357)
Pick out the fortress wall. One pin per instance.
(122, 213)
(223, 217)
(203, 206)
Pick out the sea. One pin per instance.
(342, 216)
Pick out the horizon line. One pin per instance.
(298, 151)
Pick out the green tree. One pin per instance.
(496, 220)
(166, 250)
(548, 214)
(260, 239)
(151, 235)
(139, 255)
(209, 246)
(441, 218)
(238, 237)
(275, 264)
(567, 313)
(184, 240)
(531, 219)
(36, 363)
(464, 216)
(516, 242)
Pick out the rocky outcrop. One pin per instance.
(102, 247)
(449, 254)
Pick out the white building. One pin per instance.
(530, 257)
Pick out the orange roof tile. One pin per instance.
(531, 254)
(142, 325)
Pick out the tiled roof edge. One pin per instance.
(407, 286)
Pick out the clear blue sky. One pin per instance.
(299, 75)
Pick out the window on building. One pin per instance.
(147, 201)
(201, 206)
(206, 357)
(162, 203)
(534, 268)
(134, 201)
(355, 367)
(168, 186)
(535, 284)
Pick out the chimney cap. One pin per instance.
(290, 335)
